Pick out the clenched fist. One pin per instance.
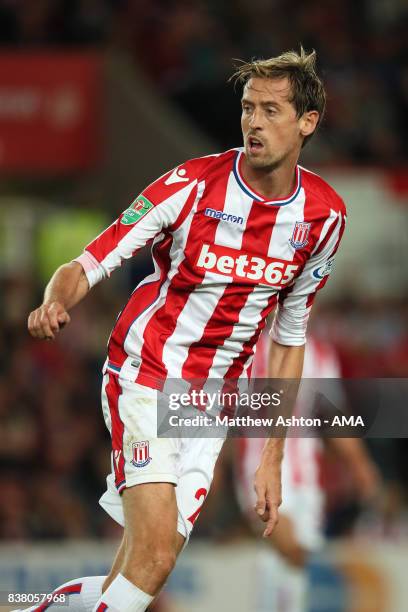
(47, 320)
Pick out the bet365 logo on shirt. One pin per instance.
(136, 211)
(244, 267)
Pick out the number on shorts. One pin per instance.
(199, 493)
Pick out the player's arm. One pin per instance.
(353, 453)
(286, 356)
(285, 362)
(159, 207)
(67, 287)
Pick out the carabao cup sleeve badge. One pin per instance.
(136, 210)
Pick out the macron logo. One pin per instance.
(116, 455)
(177, 176)
(219, 214)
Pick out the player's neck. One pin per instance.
(271, 184)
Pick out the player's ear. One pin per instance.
(308, 123)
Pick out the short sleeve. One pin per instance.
(155, 210)
(295, 303)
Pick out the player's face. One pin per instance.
(271, 129)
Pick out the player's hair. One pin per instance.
(308, 92)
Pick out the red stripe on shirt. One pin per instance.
(237, 366)
(143, 296)
(259, 238)
(185, 210)
(153, 371)
(219, 327)
(312, 213)
(311, 296)
(221, 324)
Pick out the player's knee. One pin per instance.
(158, 560)
(163, 562)
(159, 554)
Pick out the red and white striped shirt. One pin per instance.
(224, 257)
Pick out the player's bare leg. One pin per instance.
(117, 564)
(149, 549)
(150, 512)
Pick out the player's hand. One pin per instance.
(269, 494)
(47, 320)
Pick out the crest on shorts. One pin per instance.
(140, 452)
(300, 234)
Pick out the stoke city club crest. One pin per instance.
(300, 234)
(140, 452)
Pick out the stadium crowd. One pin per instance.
(186, 46)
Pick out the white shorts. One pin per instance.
(139, 456)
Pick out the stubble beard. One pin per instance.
(264, 164)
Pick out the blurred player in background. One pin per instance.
(282, 584)
(233, 235)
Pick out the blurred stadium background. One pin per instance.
(98, 98)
